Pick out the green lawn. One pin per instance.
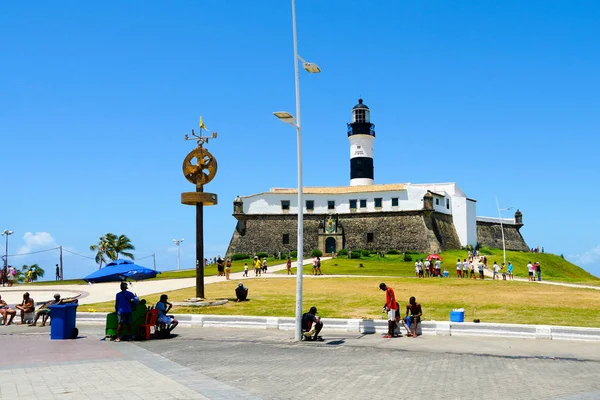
(489, 301)
(554, 268)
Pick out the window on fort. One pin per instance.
(394, 202)
(363, 203)
(331, 204)
(378, 202)
(353, 204)
(448, 204)
(286, 238)
(437, 202)
(310, 205)
(285, 204)
(370, 237)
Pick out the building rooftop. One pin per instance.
(343, 189)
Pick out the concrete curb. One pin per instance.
(440, 328)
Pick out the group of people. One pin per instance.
(27, 306)
(7, 275)
(392, 308)
(427, 268)
(534, 271)
(126, 301)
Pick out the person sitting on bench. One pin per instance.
(311, 325)
(241, 292)
(163, 306)
(6, 311)
(26, 306)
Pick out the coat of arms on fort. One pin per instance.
(330, 224)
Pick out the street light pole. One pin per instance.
(6, 233)
(300, 258)
(177, 243)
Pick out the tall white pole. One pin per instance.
(178, 254)
(502, 229)
(300, 260)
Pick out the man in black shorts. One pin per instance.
(311, 325)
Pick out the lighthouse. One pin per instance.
(361, 133)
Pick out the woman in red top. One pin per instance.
(391, 307)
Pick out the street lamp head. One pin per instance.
(7, 232)
(285, 117)
(311, 67)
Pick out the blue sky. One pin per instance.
(500, 97)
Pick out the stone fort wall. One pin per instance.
(489, 234)
(422, 231)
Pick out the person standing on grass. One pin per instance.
(427, 268)
(314, 265)
(257, 266)
(417, 274)
(530, 271)
(288, 265)
(496, 270)
(465, 270)
(480, 268)
(458, 269)
(438, 267)
(538, 268)
(391, 307)
(472, 265)
(227, 268)
(57, 273)
(509, 270)
(123, 306)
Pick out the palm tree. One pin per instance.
(119, 246)
(36, 271)
(101, 250)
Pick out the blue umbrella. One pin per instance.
(120, 270)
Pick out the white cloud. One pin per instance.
(37, 241)
(587, 258)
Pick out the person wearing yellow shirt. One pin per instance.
(257, 266)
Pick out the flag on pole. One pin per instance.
(202, 126)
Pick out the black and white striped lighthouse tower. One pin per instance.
(361, 134)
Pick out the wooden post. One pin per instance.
(199, 247)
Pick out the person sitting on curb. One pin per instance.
(26, 306)
(5, 311)
(241, 292)
(391, 307)
(44, 311)
(163, 307)
(311, 325)
(414, 309)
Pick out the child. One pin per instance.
(246, 270)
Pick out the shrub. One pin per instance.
(239, 256)
(316, 253)
(365, 253)
(262, 254)
(407, 257)
(355, 254)
(342, 252)
(393, 252)
(485, 251)
(293, 254)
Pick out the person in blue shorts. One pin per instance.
(123, 306)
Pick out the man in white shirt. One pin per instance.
(465, 271)
(458, 269)
(530, 271)
(417, 268)
(438, 267)
(496, 270)
(427, 268)
(480, 268)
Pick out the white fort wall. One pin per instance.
(410, 199)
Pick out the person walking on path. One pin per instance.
(57, 273)
(496, 270)
(530, 271)
(220, 266)
(538, 268)
(465, 271)
(289, 266)
(123, 303)
(391, 307)
(227, 268)
(319, 266)
(257, 266)
(264, 265)
(245, 270)
(480, 268)
(509, 269)
(458, 269)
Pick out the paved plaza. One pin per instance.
(219, 363)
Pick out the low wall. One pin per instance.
(441, 328)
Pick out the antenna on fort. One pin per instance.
(502, 227)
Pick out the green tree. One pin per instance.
(36, 271)
(101, 249)
(119, 246)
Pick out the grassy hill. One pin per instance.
(554, 268)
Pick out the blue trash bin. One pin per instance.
(63, 317)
